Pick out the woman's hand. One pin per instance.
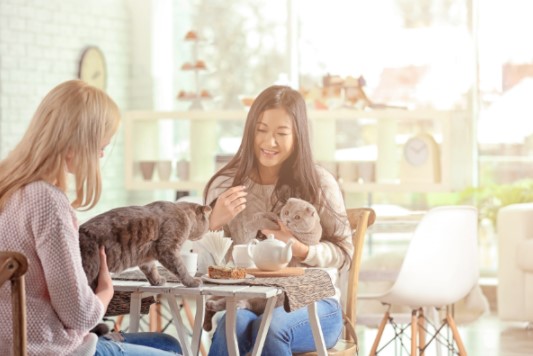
(104, 289)
(228, 205)
(299, 249)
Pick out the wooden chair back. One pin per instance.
(360, 219)
(13, 266)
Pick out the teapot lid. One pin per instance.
(272, 241)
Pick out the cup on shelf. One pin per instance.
(347, 171)
(164, 169)
(222, 160)
(366, 171)
(147, 169)
(183, 168)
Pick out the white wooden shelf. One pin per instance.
(139, 184)
(452, 138)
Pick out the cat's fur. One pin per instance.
(299, 216)
(140, 236)
(302, 220)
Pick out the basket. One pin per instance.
(120, 304)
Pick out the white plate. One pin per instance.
(206, 278)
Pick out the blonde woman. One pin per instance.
(67, 135)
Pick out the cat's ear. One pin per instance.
(203, 209)
(310, 210)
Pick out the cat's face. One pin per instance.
(200, 218)
(298, 215)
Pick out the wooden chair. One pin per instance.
(360, 219)
(13, 266)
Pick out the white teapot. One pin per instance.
(270, 254)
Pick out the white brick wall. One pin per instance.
(40, 46)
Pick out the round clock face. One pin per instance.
(416, 151)
(92, 68)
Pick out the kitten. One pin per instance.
(302, 219)
(299, 216)
(140, 236)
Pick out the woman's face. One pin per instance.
(70, 156)
(274, 139)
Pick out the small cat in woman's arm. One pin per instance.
(299, 216)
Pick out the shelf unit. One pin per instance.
(452, 127)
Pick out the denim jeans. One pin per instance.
(139, 344)
(288, 332)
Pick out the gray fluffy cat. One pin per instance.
(301, 218)
(140, 236)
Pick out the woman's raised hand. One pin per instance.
(228, 205)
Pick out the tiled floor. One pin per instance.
(488, 336)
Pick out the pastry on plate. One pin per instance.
(222, 272)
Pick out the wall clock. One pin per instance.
(421, 160)
(92, 68)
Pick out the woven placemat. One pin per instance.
(298, 291)
(120, 304)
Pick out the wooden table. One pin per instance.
(232, 293)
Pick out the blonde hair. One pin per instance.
(72, 123)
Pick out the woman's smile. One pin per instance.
(274, 139)
(269, 153)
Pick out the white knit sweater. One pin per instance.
(325, 254)
(39, 222)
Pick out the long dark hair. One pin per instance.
(298, 176)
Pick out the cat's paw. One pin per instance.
(212, 305)
(159, 282)
(192, 282)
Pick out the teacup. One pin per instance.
(191, 262)
(241, 258)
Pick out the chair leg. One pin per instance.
(118, 322)
(156, 323)
(414, 332)
(382, 325)
(455, 332)
(190, 318)
(421, 331)
(18, 300)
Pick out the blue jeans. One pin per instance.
(288, 332)
(139, 344)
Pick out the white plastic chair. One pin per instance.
(439, 268)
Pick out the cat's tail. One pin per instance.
(100, 329)
(208, 319)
